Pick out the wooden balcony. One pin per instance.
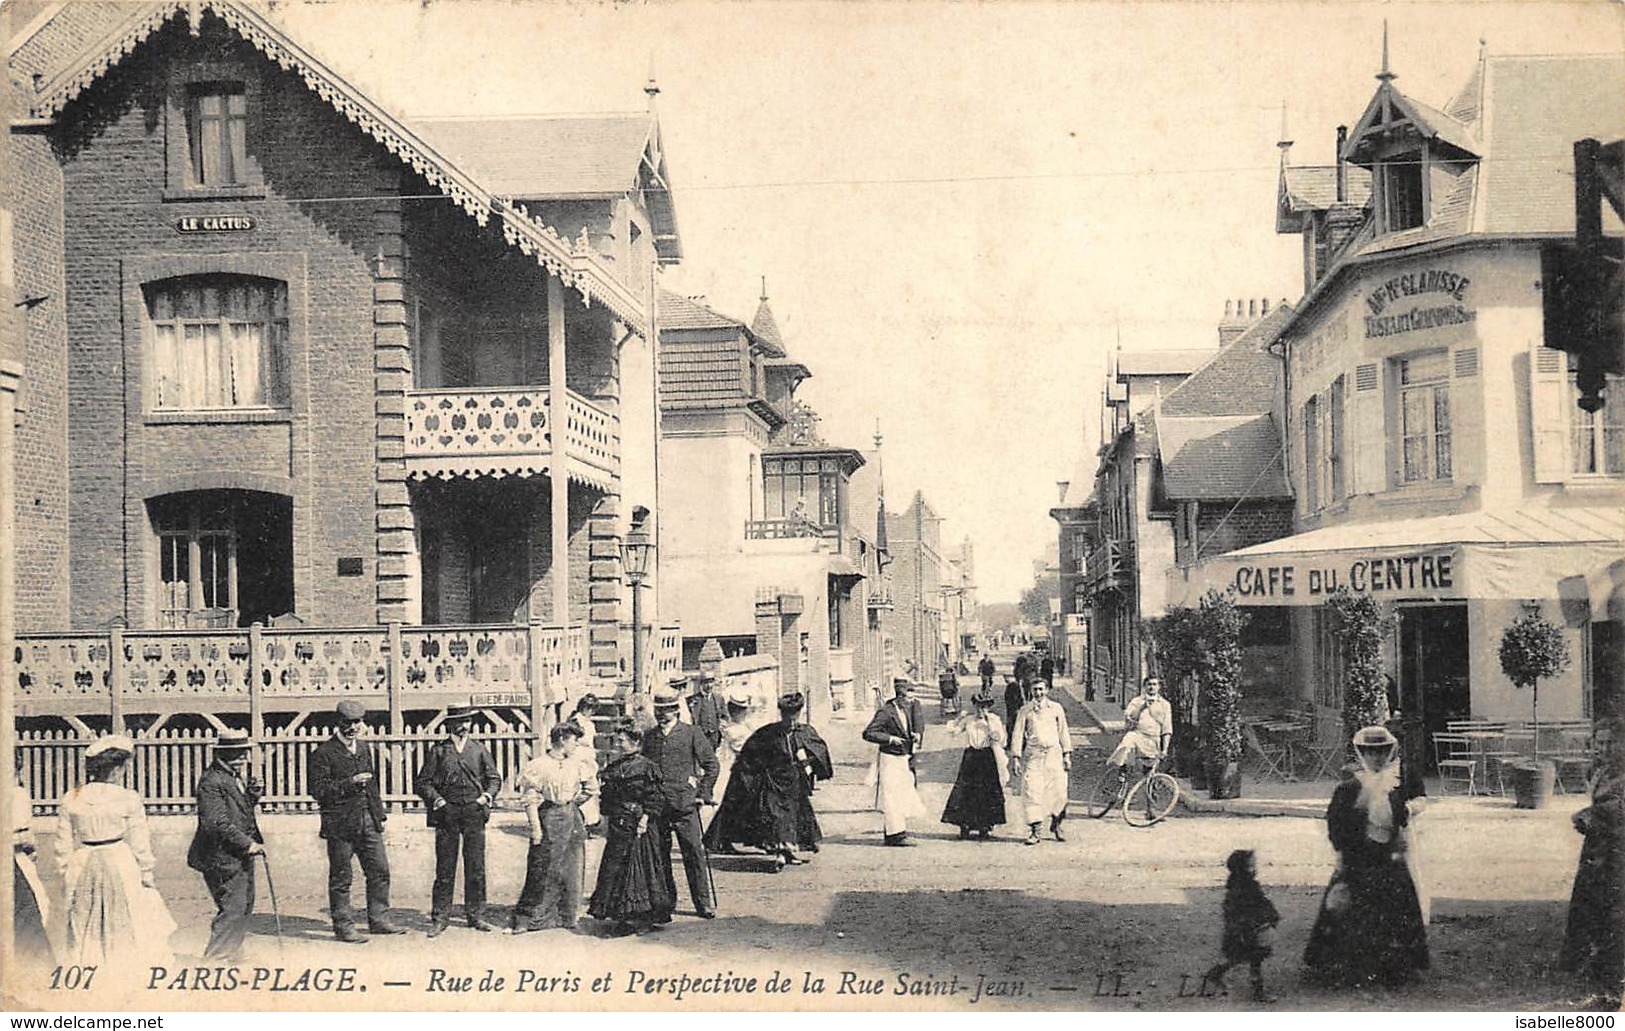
(1110, 566)
(507, 431)
(781, 529)
(296, 669)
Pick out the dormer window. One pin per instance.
(1403, 200)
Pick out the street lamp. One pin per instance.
(636, 552)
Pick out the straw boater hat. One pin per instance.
(456, 714)
(110, 743)
(1374, 738)
(667, 700)
(739, 700)
(232, 742)
(984, 698)
(350, 709)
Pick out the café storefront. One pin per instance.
(1453, 582)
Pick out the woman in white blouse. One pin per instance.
(976, 804)
(114, 915)
(552, 788)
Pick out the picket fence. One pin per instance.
(166, 765)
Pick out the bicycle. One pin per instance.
(1149, 800)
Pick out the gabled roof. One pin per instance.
(1314, 188)
(125, 27)
(1221, 458)
(563, 157)
(1390, 109)
(679, 312)
(543, 157)
(1239, 380)
(1160, 362)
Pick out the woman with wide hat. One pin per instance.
(976, 804)
(636, 889)
(1370, 927)
(114, 917)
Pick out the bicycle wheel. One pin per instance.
(1150, 800)
(1107, 791)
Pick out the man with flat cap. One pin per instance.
(705, 709)
(227, 840)
(688, 770)
(343, 778)
(458, 782)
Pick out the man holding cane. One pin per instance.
(227, 840)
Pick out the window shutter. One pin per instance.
(1367, 437)
(1548, 421)
(1466, 362)
(1468, 443)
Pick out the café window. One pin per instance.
(802, 488)
(1423, 416)
(217, 342)
(217, 134)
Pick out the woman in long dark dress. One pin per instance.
(976, 803)
(1370, 923)
(769, 799)
(1595, 939)
(636, 890)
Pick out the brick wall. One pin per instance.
(1219, 530)
(33, 192)
(120, 232)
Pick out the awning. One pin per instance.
(1517, 553)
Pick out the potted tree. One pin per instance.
(1533, 649)
(1218, 667)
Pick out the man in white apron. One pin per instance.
(1041, 752)
(1150, 723)
(898, 728)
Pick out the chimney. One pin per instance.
(1342, 172)
(1235, 321)
(1266, 306)
(1060, 490)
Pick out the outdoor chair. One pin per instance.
(1453, 756)
(1573, 754)
(1270, 758)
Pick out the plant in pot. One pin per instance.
(1533, 649)
(1173, 637)
(1360, 626)
(1217, 649)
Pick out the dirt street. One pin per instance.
(1114, 918)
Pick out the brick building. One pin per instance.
(920, 571)
(299, 360)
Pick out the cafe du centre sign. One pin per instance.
(1422, 574)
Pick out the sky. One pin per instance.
(960, 209)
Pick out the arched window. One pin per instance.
(217, 341)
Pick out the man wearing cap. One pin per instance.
(458, 782)
(227, 840)
(688, 770)
(899, 729)
(343, 778)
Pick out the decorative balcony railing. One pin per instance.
(292, 669)
(503, 431)
(1109, 566)
(779, 529)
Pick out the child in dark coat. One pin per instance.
(1249, 924)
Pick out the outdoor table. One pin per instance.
(1481, 747)
(1288, 733)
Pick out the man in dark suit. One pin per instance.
(458, 781)
(898, 727)
(986, 669)
(227, 840)
(688, 770)
(704, 709)
(343, 778)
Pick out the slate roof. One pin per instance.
(679, 312)
(766, 328)
(1239, 380)
(546, 157)
(1221, 458)
(1314, 187)
(1162, 362)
